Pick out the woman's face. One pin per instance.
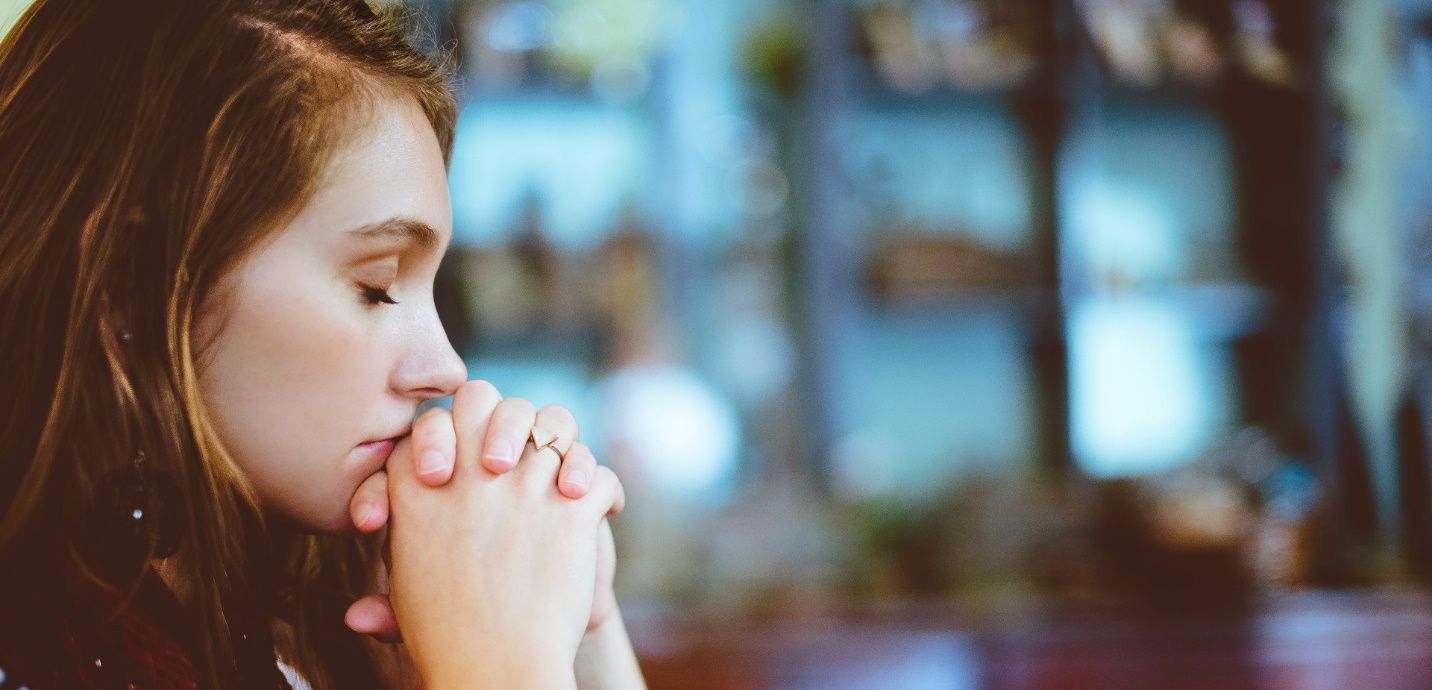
(311, 369)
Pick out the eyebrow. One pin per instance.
(399, 228)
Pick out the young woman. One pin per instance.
(219, 226)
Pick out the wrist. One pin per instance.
(603, 630)
(473, 671)
(606, 660)
(490, 663)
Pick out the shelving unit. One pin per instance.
(1267, 311)
(1268, 314)
(912, 383)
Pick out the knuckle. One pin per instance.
(431, 423)
(559, 415)
(433, 413)
(518, 407)
(581, 452)
(475, 390)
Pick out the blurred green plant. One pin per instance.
(776, 54)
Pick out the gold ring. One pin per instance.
(551, 442)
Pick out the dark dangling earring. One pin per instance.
(136, 513)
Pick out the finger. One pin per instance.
(508, 430)
(435, 446)
(402, 473)
(538, 468)
(373, 615)
(575, 477)
(369, 506)
(607, 494)
(555, 421)
(603, 605)
(472, 408)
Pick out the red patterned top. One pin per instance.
(78, 645)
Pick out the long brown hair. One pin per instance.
(145, 148)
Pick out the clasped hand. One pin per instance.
(498, 553)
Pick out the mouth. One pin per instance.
(379, 449)
(391, 437)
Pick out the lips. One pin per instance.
(377, 451)
(404, 431)
(383, 447)
(373, 455)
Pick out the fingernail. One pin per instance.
(500, 452)
(365, 515)
(431, 463)
(577, 479)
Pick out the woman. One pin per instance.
(220, 222)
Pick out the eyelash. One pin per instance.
(375, 296)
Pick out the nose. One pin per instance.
(431, 367)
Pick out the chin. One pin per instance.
(337, 526)
(333, 523)
(330, 512)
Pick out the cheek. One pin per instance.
(289, 381)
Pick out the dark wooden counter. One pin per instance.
(1304, 641)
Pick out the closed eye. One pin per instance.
(375, 296)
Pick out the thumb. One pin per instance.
(373, 616)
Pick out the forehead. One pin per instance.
(388, 166)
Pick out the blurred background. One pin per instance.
(972, 343)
